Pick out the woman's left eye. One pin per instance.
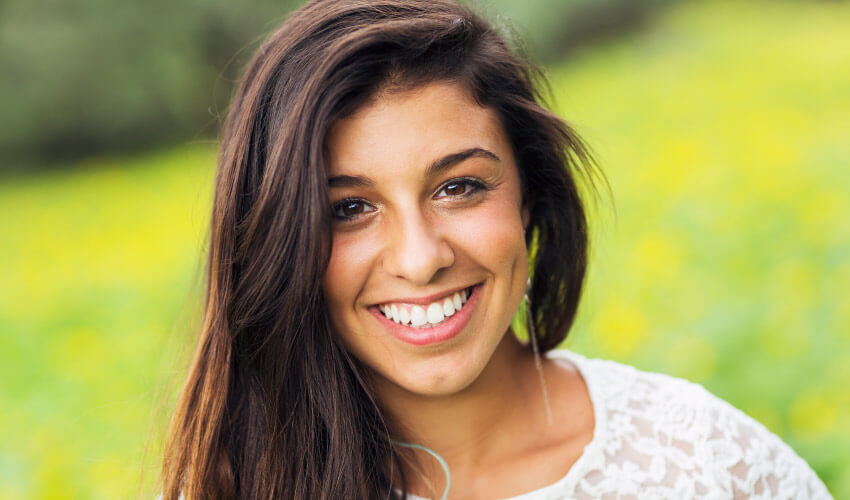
(460, 187)
(351, 209)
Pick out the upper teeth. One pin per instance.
(424, 316)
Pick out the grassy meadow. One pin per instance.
(723, 256)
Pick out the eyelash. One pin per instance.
(475, 186)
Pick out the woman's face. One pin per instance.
(429, 261)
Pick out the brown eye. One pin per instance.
(351, 209)
(460, 188)
(455, 189)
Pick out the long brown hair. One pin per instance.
(273, 405)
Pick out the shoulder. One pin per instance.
(672, 428)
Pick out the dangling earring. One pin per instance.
(538, 364)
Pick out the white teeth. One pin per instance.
(404, 315)
(417, 316)
(427, 316)
(435, 313)
(448, 307)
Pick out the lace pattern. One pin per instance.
(660, 437)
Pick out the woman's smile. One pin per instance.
(426, 321)
(427, 311)
(428, 261)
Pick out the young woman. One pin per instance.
(390, 194)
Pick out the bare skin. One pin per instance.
(406, 231)
(497, 443)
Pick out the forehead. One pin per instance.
(411, 128)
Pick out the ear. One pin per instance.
(525, 213)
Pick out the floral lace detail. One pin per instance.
(660, 437)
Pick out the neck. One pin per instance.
(475, 426)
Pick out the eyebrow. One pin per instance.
(436, 167)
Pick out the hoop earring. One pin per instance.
(532, 337)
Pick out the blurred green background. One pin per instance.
(724, 258)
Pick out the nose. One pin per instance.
(416, 249)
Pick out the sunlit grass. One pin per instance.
(723, 131)
(98, 268)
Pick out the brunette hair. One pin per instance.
(274, 406)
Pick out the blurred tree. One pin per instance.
(98, 76)
(552, 29)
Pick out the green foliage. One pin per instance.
(100, 273)
(98, 75)
(722, 130)
(549, 29)
(94, 76)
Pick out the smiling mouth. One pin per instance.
(426, 315)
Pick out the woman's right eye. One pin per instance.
(350, 209)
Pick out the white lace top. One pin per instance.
(659, 437)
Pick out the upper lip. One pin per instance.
(427, 299)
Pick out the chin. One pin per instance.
(440, 376)
(440, 384)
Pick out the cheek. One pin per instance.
(493, 234)
(347, 271)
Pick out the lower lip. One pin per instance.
(446, 330)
